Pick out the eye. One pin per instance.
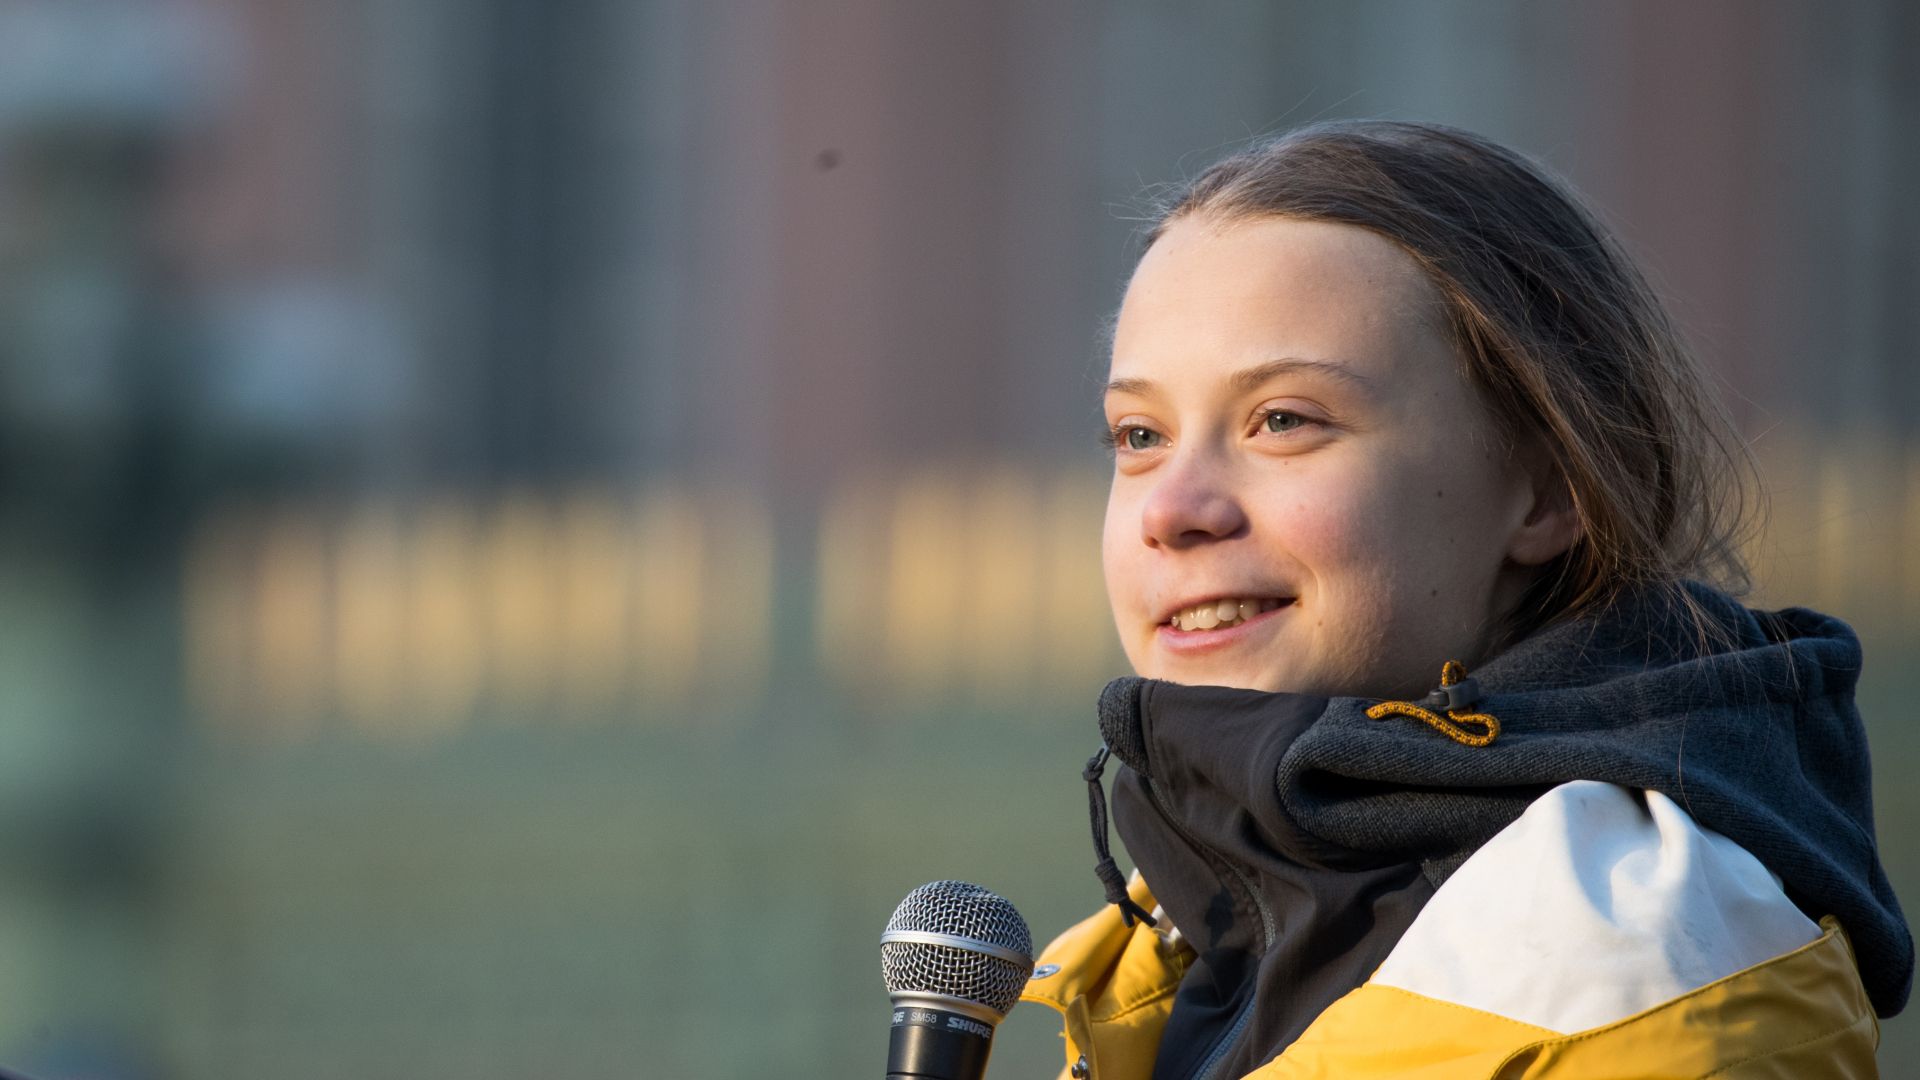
(1134, 437)
(1281, 422)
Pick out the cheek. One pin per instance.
(1420, 541)
(1119, 540)
(1385, 567)
(1339, 534)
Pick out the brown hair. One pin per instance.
(1556, 328)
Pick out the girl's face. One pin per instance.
(1307, 494)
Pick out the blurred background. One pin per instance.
(526, 526)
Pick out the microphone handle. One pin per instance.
(935, 1044)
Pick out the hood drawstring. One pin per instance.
(1457, 695)
(1108, 871)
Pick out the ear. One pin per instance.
(1551, 524)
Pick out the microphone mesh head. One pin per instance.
(963, 910)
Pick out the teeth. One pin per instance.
(1221, 613)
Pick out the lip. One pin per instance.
(1196, 642)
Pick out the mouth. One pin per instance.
(1225, 613)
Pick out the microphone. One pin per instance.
(954, 957)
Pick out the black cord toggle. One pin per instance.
(1463, 694)
(1106, 868)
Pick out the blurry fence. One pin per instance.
(408, 621)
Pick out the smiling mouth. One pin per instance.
(1221, 614)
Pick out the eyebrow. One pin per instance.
(1250, 379)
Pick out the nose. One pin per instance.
(1193, 503)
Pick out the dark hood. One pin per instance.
(1753, 730)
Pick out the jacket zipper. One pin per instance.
(1220, 1048)
(1219, 1051)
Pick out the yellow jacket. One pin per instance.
(1799, 1013)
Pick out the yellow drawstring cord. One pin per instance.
(1449, 725)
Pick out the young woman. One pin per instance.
(1449, 754)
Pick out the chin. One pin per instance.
(1243, 681)
(1206, 675)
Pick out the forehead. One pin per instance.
(1210, 293)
